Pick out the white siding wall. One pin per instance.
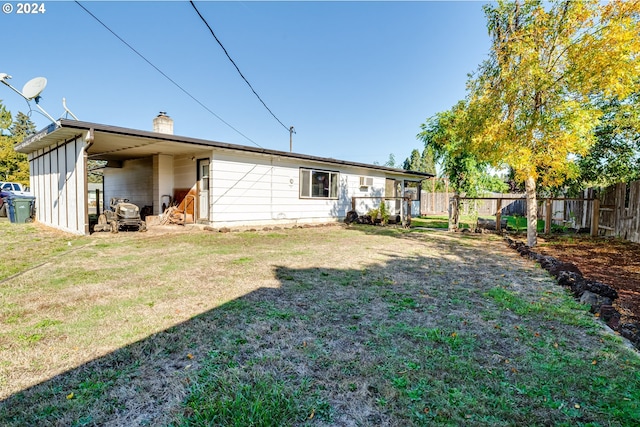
(134, 181)
(58, 182)
(184, 172)
(375, 191)
(162, 180)
(260, 189)
(245, 188)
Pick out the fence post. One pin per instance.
(353, 203)
(595, 217)
(498, 215)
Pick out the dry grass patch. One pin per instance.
(322, 326)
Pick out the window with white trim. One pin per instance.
(318, 184)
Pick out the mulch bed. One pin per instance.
(614, 262)
(606, 266)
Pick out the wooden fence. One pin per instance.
(613, 211)
(438, 204)
(574, 213)
(620, 211)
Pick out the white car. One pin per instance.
(16, 188)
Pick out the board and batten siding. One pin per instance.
(57, 180)
(261, 189)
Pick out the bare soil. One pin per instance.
(614, 262)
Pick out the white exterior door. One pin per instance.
(203, 189)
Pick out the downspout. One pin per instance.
(85, 156)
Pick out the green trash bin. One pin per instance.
(23, 208)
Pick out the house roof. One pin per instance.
(118, 144)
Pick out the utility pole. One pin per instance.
(291, 132)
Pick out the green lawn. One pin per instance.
(515, 223)
(356, 325)
(519, 223)
(441, 221)
(433, 221)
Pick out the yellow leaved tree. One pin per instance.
(529, 106)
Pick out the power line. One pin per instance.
(165, 75)
(234, 64)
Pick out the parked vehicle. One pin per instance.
(15, 187)
(3, 202)
(122, 215)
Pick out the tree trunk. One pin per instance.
(532, 211)
(454, 213)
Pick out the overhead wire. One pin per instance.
(236, 66)
(166, 76)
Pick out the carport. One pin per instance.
(140, 166)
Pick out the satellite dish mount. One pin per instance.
(31, 91)
(33, 88)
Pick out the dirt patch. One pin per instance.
(614, 262)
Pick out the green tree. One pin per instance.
(421, 162)
(529, 105)
(391, 161)
(413, 162)
(615, 156)
(22, 127)
(14, 166)
(5, 119)
(428, 160)
(445, 138)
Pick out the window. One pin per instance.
(318, 184)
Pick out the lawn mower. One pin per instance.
(122, 216)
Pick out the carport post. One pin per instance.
(85, 178)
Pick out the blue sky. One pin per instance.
(355, 79)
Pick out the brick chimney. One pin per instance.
(163, 123)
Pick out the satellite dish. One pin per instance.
(33, 88)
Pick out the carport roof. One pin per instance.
(117, 143)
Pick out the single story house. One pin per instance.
(219, 184)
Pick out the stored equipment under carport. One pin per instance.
(122, 216)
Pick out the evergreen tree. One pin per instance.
(428, 161)
(391, 162)
(14, 166)
(414, 162)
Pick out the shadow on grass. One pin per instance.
(415, 339)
